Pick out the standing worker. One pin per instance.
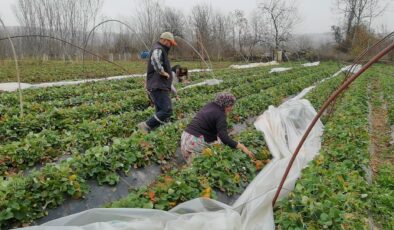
(209, 126)
(158, 82)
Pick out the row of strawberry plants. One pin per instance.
(33, 71)
(382, 196)
(86, 97)
(325, 89)
(93, 109)
(40, 147)
(41, 100)
(382, 189)
(89, 94)
(388, 87)
(139, 150)
(94, 134)
(70, 91)
(332, 191)
(85, 135)
(23, 199)
(103, 163)
(14, 127)
(275, 94)
(51, 117)
(218, 168)
(88, 133)
(87, 90)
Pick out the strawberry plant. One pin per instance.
(89, 134)
(103, 161)
(217, 168)
(332, 191)
(24, 199)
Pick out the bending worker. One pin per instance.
(158, 82)
(181, 73)
(207, 126)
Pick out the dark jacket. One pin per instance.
(211, 122)
(153, 80)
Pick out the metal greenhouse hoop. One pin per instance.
(379, 50)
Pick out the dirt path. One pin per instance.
(381, 147)
(380, 131)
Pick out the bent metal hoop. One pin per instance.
(386, 48)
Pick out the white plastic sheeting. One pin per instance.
(253, 65)
(351, 68)
(281, 69)
(206, 82)
(282, 126)
(199, 70)
(310, 64)
(13, 86)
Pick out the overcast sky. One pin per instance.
(316, 16)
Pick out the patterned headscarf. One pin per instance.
(225, 100)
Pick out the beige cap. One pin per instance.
(170, 37)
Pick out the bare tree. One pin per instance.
(241, 24)
(303, 42)
(220, 30)
(282, 16)
(357, 14)
(213, 33)
(358, 11)
(65, 19)
(173, 21)
(148, 18)
(200, 21)
(257, 33)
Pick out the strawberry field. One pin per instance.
(36, 71)
(73, 135)
(337, 190)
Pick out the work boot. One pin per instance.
(143, 127)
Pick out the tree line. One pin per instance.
(212, 33)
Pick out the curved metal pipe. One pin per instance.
(101, 23)
(358, 60)
(343, 87)
(205, 50)
(196, 52)
(68, 43)
(125, 24)
(113, 20)
(16, 67)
